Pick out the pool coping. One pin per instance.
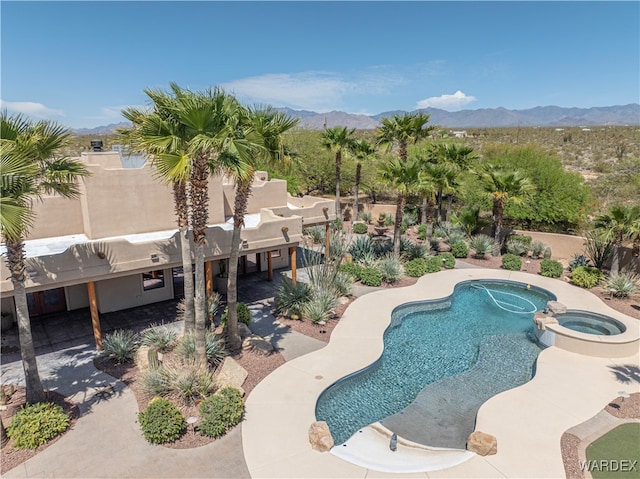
(281, 408)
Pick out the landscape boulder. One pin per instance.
(230, 374)
(556, 307)
(541, 321)
(257, 343)
(320, 437)
(482, 443)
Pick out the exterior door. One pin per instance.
(45, 302)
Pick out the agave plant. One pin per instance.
(623, 284)
(360, 247)
(214, 346)
(291, 297)
(481, 244)
(320, 308)
(316, 233)
(121, 345)
(159, 337)
(391, 268)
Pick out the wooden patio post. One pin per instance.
(269, 266)
(95, 317)
(292, 259)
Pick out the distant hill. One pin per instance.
(544, 116)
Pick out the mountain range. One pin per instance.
(541, 116)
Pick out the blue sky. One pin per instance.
(81, 62)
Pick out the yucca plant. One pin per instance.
(360, 247)
(159, 337)
(190, 381)
(599, 248)
(121, 345)
(623, 284)
(413, 251)
(391, 268)
(316, 233)
(320, 308)
(481, 244)
(291, 297)
(366, 216)
(154, 382)
(214, 347)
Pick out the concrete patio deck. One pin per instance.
(527, 421)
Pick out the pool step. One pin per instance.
(443, 413)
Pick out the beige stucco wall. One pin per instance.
(57, 216)
(77, 296)
(562, 246)
(127, 292)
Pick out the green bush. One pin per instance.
(360, 228)
(551, 268)
(220, 412)
(434, 264)
(511, 262)
(36, 424)
(459, 249)
(586, 276)
(526, 240)
(416, 267)
(448, 260)
(161, 421)
(422, 232)
(371, 277)
(121, 345)
(352, 269)
(291, 297)
(244, 314)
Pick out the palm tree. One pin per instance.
(362, 149)
(30, 169)
(203, 126)
(460, 158)
(338, 139)
(504, 186)
(403, 178)
(618, 224)
(154, 133)
(427, 188)
(263, 128)
(403, 130)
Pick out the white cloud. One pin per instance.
(30, 108)
(447, 102)
(114, 112)
(317, 91)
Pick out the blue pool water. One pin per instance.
(430, 341)
(590, 323)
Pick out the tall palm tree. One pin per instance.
(504, 186)
(155, 134)
(428, 189)
(263, 128)
(30, 169)
(362, 150)
(338, 139)
(460, 157)
(618, 224)
(403, 130)
(403, 177)
(203, 123)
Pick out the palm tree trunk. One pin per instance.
(498, 210)
(402, 147)
(449, 205)
(243, 191)
(181, 207)
(398, 225)
(615, 259)
(15, 260)
(338, 170)
(3, 435)
(356, 191)
(199, 199)
(423, 210)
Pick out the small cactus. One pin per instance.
(547, 253)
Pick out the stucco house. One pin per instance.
(117, 245)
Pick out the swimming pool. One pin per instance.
(428, 344)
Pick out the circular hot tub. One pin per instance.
(590, 323)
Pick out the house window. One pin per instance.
(275, 253)
(153, 280)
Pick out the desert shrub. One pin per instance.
(526, 240)
(459, 249)
(448, 260)
(220, 412)
(481, 244)
(36, 424)
(244, 314)
(389, 219)
(382, 248)
(434, 264)
(371, 277)
(511, 262)
(121, 345)
(578, 260)
(320, 308)
(551, 268)
(161, 421)
(422, 232)
(586, 276)
(449, 233)
(360, 228)
(391, 269)
(316, 233)
(214, 346)
(190, 381)
(366, 216)
(416, 267)
(342, 284)
(623, 284)
(546, 254)
(516, 247)
(410, 250)
(361, 247)
(599, 248)
(161, 338)
(434, 245)
(537, 249)
(351, 269)
(337, 224)
(154, 382)
(291, 297)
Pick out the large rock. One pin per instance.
(320, 437)
(142, 358)
(555, 307)
(541, 321)
(243, 330)
(257, 343)
(482, 444)
(230, 374)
